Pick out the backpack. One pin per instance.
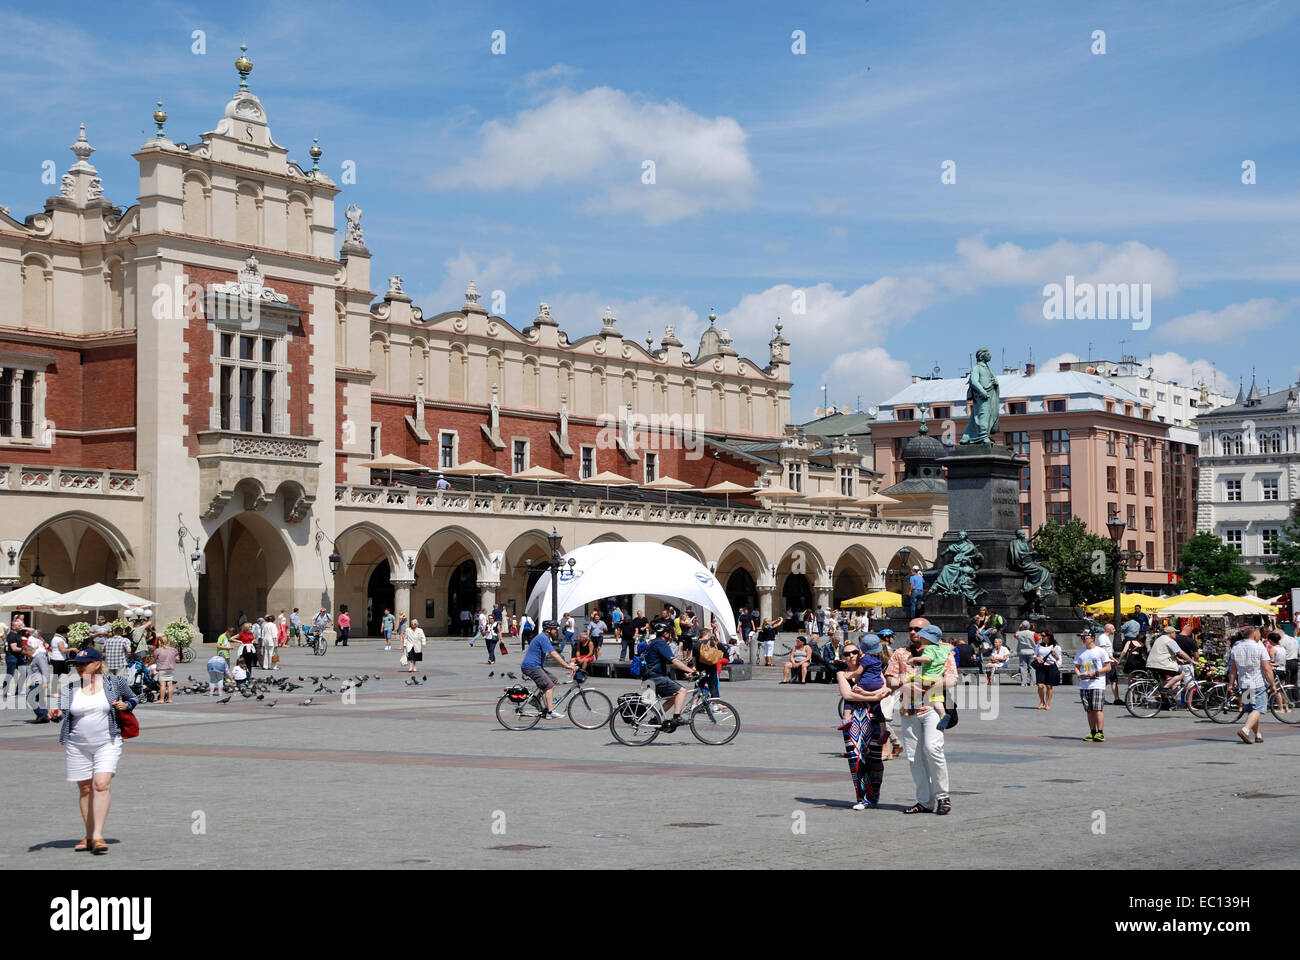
(638, 665)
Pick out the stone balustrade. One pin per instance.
(77, 481)
(574, 508)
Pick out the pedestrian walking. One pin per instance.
(116, 650)
(345, 627)
(922, 738)
(596, 632)
(165, 658)
(1251, 671)
(865, 729)
(60, 652)
(1026, 640)
(490, 628)
(527, 630)
(1106, 640)
(90, 709)
(413, 642)
(282, 629)
(1047, 668)
(386, 627)
(270, 636)
(1091, 665)
(38, 682)
(916, 588)
(295, 628)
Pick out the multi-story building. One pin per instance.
(1172, 402)
(1093, 447)
(1250, 473)
(190, 388)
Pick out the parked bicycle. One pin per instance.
(522, 707)
(640, 717)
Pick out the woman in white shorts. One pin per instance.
(92, 737)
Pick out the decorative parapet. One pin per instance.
(76, 481)
(525, 505)
(257, 467)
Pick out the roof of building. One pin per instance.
(1270, 403)
(837, 424)
(1088, 391)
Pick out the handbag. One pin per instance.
(126, 720)
(887, 706)
(504, 648)
(404, 661)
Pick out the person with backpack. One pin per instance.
(527, 630)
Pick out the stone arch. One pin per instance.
(799, 572)
(247, 568)
(741, 568)
(69, 560)
(444, 575)
(531, 384)
(38, 290)
(196, 202)
(248, 213)
(517, 576)
(608, 537)
(379, 361)
(856, 573)
(900, 566)
(687, 546)
(596, 394)
(298, 223)
(366, 548)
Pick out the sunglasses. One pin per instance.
(852, 653)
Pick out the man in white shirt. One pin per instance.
(1091, 664)
(1106, 640)
(1250, 669)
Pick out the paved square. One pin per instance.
(421, 776)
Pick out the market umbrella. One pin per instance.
(876, 500)
(1220, 605)
(829, 496)
(97, 596)
(607, 479)
(474, 469)
(727, 488)
(538, 474)
(1129, 602)
(391, 462)
(666, 483)
(881, 598)
(776, 492)
(31, 597)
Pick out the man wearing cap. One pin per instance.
(533, 665)
(916, 587)
(1165, 654)
(1091, 665)
(1106, 641)
(922, 738)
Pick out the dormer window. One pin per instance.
(1056, 406)
(1016, 408)
(905, 413)
(942, 413)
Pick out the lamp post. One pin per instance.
(1115, 528)
(553, 540)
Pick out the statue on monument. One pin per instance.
(985, 397)
(1038, 579)
(957, 578)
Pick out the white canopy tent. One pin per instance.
(32, 597)
(615, 568)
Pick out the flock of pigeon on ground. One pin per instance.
(257, 689)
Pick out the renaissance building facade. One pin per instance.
(191, 386)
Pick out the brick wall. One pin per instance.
(85, 389)
(199, 355)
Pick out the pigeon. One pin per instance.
(300, 678)
(492, 673)
(226, 699)
(424, 679)
(261, 696)
(273, 703)
(511, 675)
(307, 703)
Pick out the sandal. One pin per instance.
(917, 808)
(82, 846)
(99, 847)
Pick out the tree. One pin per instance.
(1285, 569)
(1080, 561)
(1210, 566)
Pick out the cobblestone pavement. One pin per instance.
(425, 776)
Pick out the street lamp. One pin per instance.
(1115, 527)
(553, 540)
(335, 561)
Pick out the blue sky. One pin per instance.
(775, 173)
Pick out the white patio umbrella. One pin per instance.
(32, 597)
(474, 469)
(391, 462)
(666, 483)
(727, 488)
(607, 479)
(98, 596)
(538, 474)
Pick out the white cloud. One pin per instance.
(579, 315)
(1009, 264)
(1167, 366)
(600, 139)
(489, 274)
(870, 374)
(1214, 326)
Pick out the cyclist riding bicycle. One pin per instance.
(1165, 657)
(533, 664)
(659, 661)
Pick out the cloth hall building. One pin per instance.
(190, 385)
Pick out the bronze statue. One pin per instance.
(1038, 579)
(985, 397)
(957, 578)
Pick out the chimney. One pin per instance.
(1029, 369)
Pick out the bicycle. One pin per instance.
(316, 640)
(1225, 706)
(1145, 698)
(522, 709)
(640, 718)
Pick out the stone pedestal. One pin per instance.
(984, 501)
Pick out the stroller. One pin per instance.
(143, 685)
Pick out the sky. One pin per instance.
(898, 182)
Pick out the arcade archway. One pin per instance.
(248, 573)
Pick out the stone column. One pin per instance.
(402, 597)
(489, 591)
(638, 603)
(765, 593)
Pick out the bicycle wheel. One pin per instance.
(1222, 707)
(321, 647)
(1196, 697)
(1285, 704)
(715, 722)
(1143, 699)
(639, 727)
(518, 716)
(840, 707)
(1137, 675)
(589, 709)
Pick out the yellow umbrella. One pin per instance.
(881, 598)
(1128, 603)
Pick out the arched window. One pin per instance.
(717, 414)
(38, 281)
(248, 214)
(597, 398)
(379, 363)
(660, 399)
(456, 373)
(531, 396)
(194, 208)
(297, 232)
(115, 295)
(497, 374)
(746, 411)
(629, 390)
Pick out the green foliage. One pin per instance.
(1210, 566)
(120, 624)
(1080, 561)
(1285, 569)
(78, 632)
(180, 633)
